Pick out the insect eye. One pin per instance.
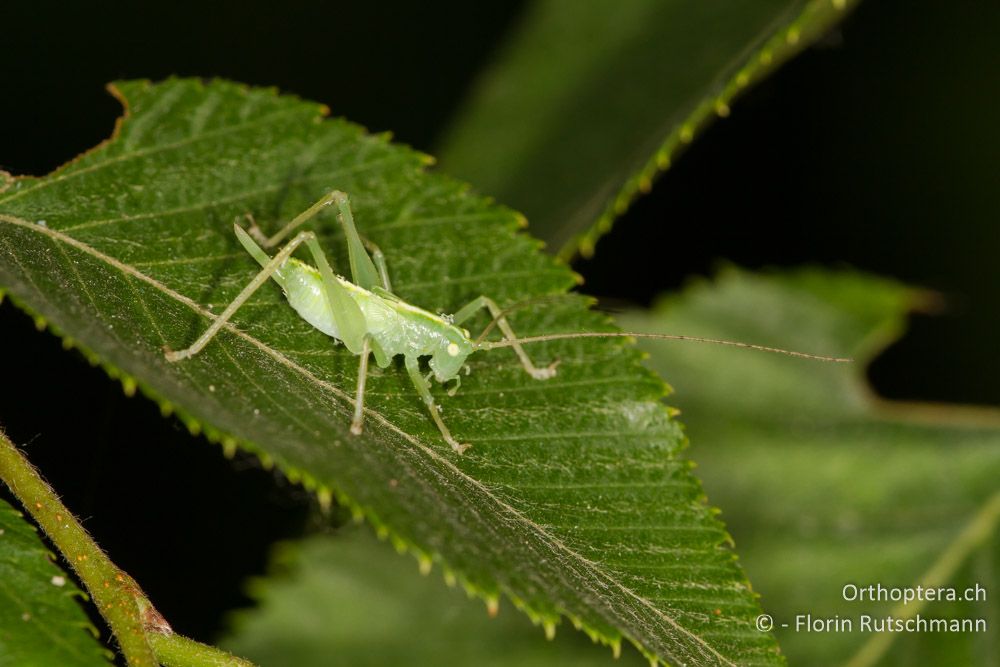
(453, 349)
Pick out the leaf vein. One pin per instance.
(505, 509)
(124, 157)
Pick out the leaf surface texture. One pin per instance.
(573, 500)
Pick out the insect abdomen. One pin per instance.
(304, 290)
(397, 329)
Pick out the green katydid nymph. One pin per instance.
(369, 319)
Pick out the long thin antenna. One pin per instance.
(509, 342)
(547, 298)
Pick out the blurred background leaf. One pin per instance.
(594, 98)
(42, 622)
(344, 599)
(834, 486)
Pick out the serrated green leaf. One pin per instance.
(829, 485)
(41, 620)
(573, 500)
(595, 98)
(346, 600)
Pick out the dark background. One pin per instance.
(878, 149)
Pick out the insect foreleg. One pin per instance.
(273, 265)
(508, 333)
(423, 388)
(359, 397)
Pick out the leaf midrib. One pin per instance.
(547, 538)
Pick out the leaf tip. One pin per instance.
(325, 498)
(193, 425)
(398, 544)
(229, 445)
(620, 206)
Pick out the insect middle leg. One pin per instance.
(497, 313)
(357, 423)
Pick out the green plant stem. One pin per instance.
(173, 650)
(112, 590)
(142, 634)
(981, 528)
